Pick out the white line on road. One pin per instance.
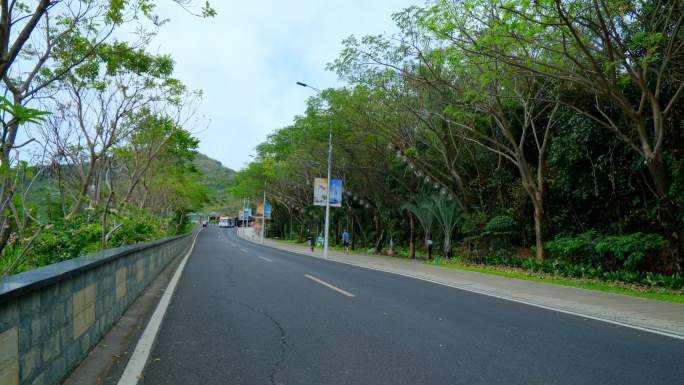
(329, 286)
(243, 250)
(266, 259)
(141, 354)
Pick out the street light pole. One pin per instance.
(327, 200)
(263, 216)
(327, 195)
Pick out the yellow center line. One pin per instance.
(329, 286)
(266, 259)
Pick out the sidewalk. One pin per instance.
(656, 316)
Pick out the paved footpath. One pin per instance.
(658, 316)
(247, 314)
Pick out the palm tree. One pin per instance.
(447, 214)
(422, 210)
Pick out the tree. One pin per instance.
(624, 54)
(40, 43)
(424, 211)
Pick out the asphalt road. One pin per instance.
(246, 314)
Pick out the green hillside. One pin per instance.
(216, 178)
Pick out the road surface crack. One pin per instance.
(283, 335)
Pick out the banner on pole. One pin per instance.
(321, 193)
(260, 211)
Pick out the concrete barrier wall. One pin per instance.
(51, 317)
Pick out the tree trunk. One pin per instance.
(666, 216)
(378, 243)
(412, 243)
(83, 190)
(379, 234)
(538, 217)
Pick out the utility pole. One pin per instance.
(327, 200)
(263, 217)
(327, 195)
(242, 228)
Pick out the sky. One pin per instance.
(248, 58)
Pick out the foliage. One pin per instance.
(539, 137)
(20, 113)
(586, 271)
(112, 132)
(66, 239)
(625, 251)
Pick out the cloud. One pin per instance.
(248, 58)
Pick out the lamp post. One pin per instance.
(263, 216)
(327, 195)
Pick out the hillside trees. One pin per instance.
(90, 108)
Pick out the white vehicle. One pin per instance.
(225, 222)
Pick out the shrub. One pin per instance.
(572, 270)
(615, 252)
(575, 249)
(82, 234)
(499, 232)
(629, 249)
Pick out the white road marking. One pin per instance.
(329, 286)
(266, 259)
(243, 250)
(133, 371)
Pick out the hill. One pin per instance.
(216, 178)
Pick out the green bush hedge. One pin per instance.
(583, 270)
(612, 252)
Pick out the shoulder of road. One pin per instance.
(666, 318)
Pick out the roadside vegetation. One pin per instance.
(539, 136)
(96, 148)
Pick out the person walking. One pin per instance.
(345, 241)
(312, 240)
(429, 243)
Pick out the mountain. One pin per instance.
(215, 176)
(216, 179)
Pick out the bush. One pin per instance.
(578, 249)
(629, 249)
(612, 252)
(571, 270)
(499, 232)
(82, 234)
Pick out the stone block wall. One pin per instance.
(51, 317)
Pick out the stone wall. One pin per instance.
(51, 317)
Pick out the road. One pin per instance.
(247, 314)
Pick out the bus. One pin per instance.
(225, 222)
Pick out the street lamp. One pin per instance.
(327, 195)
(263, 216)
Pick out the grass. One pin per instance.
(608, 287)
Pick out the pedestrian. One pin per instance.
(311, 240)
(429, 244)
(345, 241)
